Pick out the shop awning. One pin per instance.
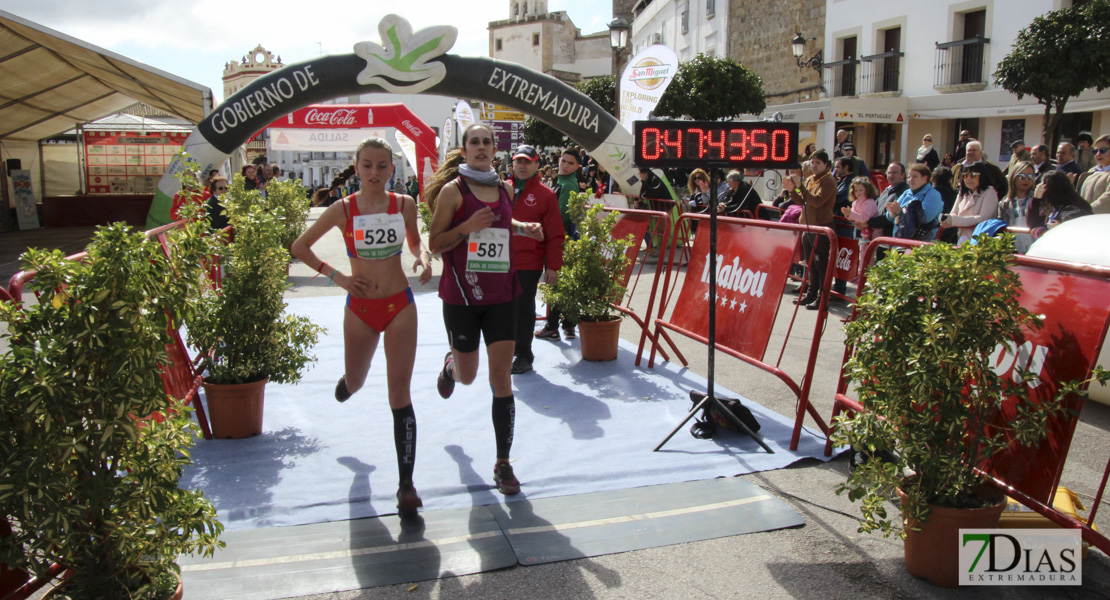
(998, 104)
(53, 82)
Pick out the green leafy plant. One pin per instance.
(922, 339)
(709, 88)
(289, 200)
(87, 481)
(243, 322)
(1076, 37)
(589, 281)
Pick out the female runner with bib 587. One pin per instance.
(470, 203)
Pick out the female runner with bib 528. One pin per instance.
(375, 224)
(478, 286)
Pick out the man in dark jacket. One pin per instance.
(896, 176)
(533, 202)
(738, 196)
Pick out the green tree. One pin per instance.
(602, 90)
(708, 89)
(1057, 57)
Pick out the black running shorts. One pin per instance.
(496, 322)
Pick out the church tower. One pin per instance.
(522, 9)
(255, 64)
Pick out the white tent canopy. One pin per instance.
(53, 82)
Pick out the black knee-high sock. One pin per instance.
(504, 418)
(404, 437)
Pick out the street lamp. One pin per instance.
(798, 46)
(618, 39)
(618, 34)
(816, 62)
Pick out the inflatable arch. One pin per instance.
(406, 62)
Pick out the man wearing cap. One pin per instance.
(859, 168)
(533, 202)
(1019, 153)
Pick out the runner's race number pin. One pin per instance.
(379, 235)
(488, 251)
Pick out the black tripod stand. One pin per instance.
(709, 396)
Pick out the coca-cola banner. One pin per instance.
(752, 265)
(329, 116)
(426, 68)
(320, 140)
(847, 259)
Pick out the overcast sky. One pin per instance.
(194, 40)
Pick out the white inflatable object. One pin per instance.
(1085, 240)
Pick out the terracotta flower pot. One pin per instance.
(599, 339)
(934, 552)
(235, 411)
(178, 593)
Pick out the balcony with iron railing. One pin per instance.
(840, 78)
(880, 74)
(961, 66)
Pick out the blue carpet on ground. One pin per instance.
(580, 427)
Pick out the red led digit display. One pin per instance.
(715, 144)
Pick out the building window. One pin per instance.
(497, 44)
(710, 8)
(535, 39)
(686, 16)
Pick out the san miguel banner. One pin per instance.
(464, 115)
(426, 69)
(752, 265)
(643, 82)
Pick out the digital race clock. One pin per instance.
(718, 144)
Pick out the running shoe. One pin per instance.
(341, 393)
(407, 499)
(446, 383)
(548, 334)
(521, 366)
(506, 482)
(569, 333)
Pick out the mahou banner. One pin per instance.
(1075, 320)
(752, 265)
(643, 82)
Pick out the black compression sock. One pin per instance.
(404, 437)
(504, 418)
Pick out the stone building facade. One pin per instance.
(759, 36)
(549, 42)
(253, 65)
(238, 75)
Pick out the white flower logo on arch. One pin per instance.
(401, 65)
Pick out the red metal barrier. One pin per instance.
(1072, 299)
(637, 223)
(754, 259)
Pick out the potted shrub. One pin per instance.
(289, 201)
(88, 482)
(243, 326)
(921, 339)
(590, 280)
